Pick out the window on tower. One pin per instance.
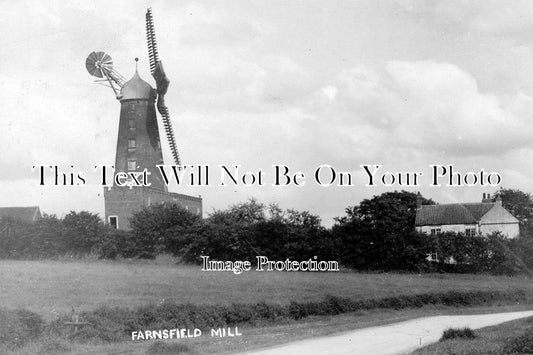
(132, 165)
(131, 124)
(131, 144)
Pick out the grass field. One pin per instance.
(57, 286)
(51, 287)
(488, 341)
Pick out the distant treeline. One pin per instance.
(378, 235)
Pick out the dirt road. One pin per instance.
(398, 338)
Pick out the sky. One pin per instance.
(403, 84)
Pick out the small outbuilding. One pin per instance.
(23, 214)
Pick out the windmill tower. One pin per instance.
(138, 143)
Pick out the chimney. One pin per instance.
(487, 198)
(418, 200)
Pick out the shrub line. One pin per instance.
(113, 324)
(116, 324)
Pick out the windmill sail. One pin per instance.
(162, 82)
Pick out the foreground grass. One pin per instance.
(488, 341)
(257, 337)
(50, 287)
(55, 287)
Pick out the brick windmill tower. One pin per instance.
(138, 143)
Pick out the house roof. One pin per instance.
(454, 213)
(25, 214)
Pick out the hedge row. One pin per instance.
(112, 324)
(109, 324)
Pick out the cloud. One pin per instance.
(219, 78)
(492, 17)
(446, 110)
(425, 105)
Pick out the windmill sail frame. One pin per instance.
(162, 82)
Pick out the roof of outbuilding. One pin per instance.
(26, 214)
(455, 213)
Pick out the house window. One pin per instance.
(132, 165)
(132, 144)
(435, 231)
(113, 222)
(470, 232)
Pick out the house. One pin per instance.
(23, 214)
(485, 217)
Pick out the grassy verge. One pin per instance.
(107, 325)
(117, 324)
(254, 337)
(515, 337)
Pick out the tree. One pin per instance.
(520, 204)
(307, 237)
(496, 257)
(157, 228)
(248, 229)
(84, 230)
(50, 237)
(248, 213)
(15, 238)
(221, 236)
(377, 233)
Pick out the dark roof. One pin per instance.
(454, 213)
(25, 214)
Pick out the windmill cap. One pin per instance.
(136, 88)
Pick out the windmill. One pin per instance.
(138, 143)
(100, 65)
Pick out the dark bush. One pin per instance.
(84, 231)
(379, 233)
(18, 327)
(100, 329)
(116, 243)
(158, 228)
(76, 234)
(522, 344)
(238, 313)
(456, 333)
